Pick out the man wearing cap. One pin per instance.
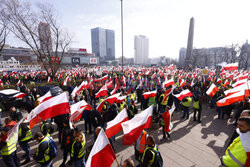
(8, 149)
(42, 152)
(24, 136)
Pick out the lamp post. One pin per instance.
(122, 32)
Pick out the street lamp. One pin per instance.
(122, 32)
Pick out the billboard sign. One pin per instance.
(75, 60)
(93, 61)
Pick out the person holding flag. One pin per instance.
(165, 122)
(197, 105)
(186, 103)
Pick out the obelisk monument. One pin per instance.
(188, 59)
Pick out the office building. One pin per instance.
(141, 48)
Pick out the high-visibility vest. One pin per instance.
(196, 104)
(9, 148)
(46, 157)
(28, 134)
(143, 141)
(133, 96)
(151, 101)
(81, 152)
(153, 159)
(235, 154)
(187, 103)
(121, 106)
(164, 102)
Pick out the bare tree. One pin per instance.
(39, 30)
(3, 29)
(244, 57)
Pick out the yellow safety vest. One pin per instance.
(151, 101)
(46, 157)
(121, 106)
(187, 103)
(164, 102)
(235, 155)
(196, 104)
(9, 148)
(153, 159)
(81, 152)
(28, 134)
(133, 96)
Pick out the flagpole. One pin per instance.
(117, 162)
(122, 32)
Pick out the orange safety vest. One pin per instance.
(143, 142)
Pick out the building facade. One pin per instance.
(182, 56)
(141, 49)
(103, 43)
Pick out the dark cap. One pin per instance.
(37, 134)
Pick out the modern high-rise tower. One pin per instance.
(45, 37)
(141, 47)
(103, 43)
(188, 59)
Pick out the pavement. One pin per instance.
(192, 144)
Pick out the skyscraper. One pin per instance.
(141, 46)
(103, 43)
(45, 37)
(188, 59)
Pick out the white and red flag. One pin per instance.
(183, 94)
(133, 128)
(233, 98)
(1, 83)
(66, 80)
(114, 126)
(212, 90)
(167, 119)
(19, 83)
(240, 82)
(231, 66)
(124, 80)
(121, 99)
(149, 94)
(183, 82)
(102, 92)
(102, 79)
(114, 90)
(49, 79)
(226, 83)
(74, 92)
(109, 84)
(102, 154)
(55, 106)
(45, 97)
(168, 83)
(83, 85)
(20, 95)
(218, 80)
(192, 83)
(110, 99)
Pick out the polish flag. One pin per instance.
(149, 94)
(114, 126)
(49, 79)
(74, 92)
(102, 79)
(77, 109)
(231, 66)
(82, 86)
(110, 99)
(226, 83)
(109, 84)
(233, 98)
(102, 92)
(65, 81)
(218, 80)
(168, 83)
(55, 106)
(182, 83)
(20, 95)
(115, 89)
(45, 97)
(167, 119)
(133, 128)
(12, 135)
(1, 83)
(183, 94)
(153, 76)
(212, 90)
(124, 81)
(244, 87)
(19, 83)
(102, 154)
(192, 83)
(240, 82)
(121, 99)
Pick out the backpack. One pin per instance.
(53, 151)
(158, 162)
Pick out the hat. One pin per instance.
(38, 134)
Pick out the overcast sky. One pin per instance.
(164, 22)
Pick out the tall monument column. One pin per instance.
(188, 59)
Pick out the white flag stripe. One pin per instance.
(120, 117)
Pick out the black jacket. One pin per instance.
(41, 151)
